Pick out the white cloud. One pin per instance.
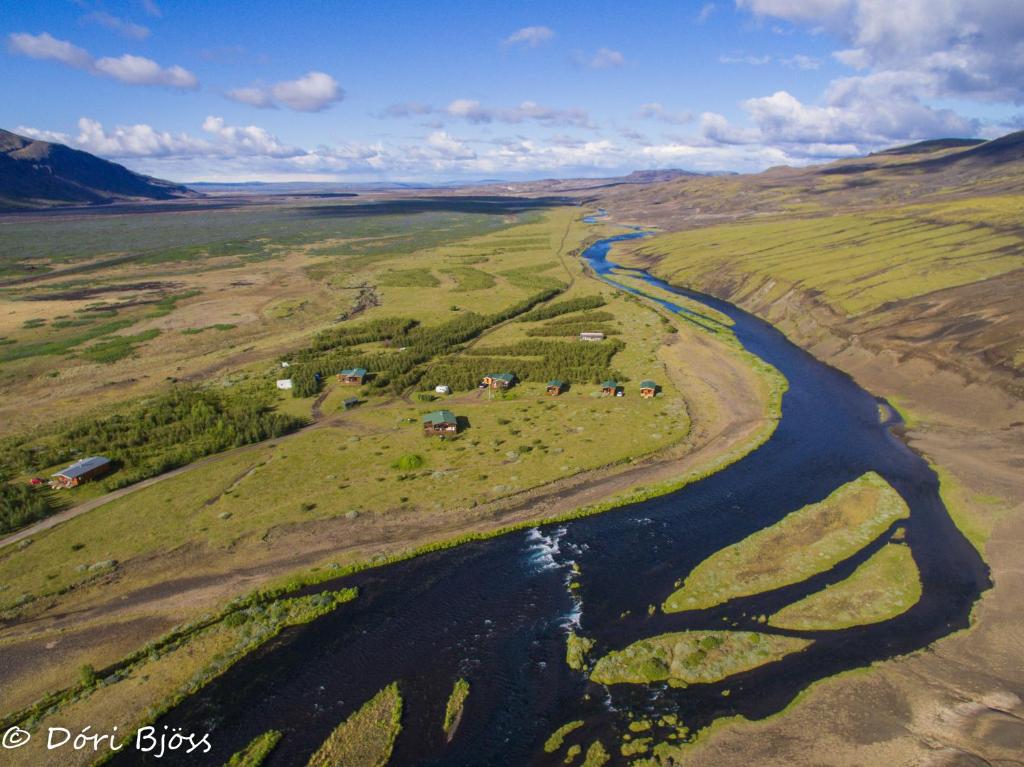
(45, 46)
(657, 111)
(530, 37)
(606, 58)
(138, 70)
(134, 141)
(406, 109)
(150, 7)
(116, 24)
(754, 61)
(129, 69)
(248, 140)
(313, 92)
(474, 112)
(705, 12)
(970, 49)
(801, 61)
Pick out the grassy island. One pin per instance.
(886, 585)
(366, 738)
(693, 657)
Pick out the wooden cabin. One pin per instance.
(499, 380)
(555, 387)
(353, 376)
(610, 388)
(591, 336)
(81, 471)
(648, 389)
(440, 422)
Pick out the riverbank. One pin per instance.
(962, 698)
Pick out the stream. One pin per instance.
(497, 611)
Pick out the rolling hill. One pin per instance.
(36, 174)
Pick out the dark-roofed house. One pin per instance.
(352, 376)
(610, 388)
(440, 422)
(499, 380)
(81, 471)
(648, 389)
(555, 387)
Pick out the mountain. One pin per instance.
(37, 174)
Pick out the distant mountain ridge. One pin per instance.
(36, 174)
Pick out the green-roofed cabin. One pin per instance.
(610, 388)
(440, 422)
(352, 376)
(648, 389)
(499, 380)
(555, 387)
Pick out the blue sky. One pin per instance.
(466, 90)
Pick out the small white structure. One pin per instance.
(442, 389)
(284, 383)
(286, 364)
(591, 336)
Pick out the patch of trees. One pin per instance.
(538, 361)
(563, 307)
(415, 345)
(157, 434)
(364, 333)
(21, 504)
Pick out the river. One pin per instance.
(497, 611)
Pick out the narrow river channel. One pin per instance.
(497, 611)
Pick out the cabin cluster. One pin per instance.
(81, 471)
(612, 388)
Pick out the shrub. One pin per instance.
(408, 462)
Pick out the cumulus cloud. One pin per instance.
(657, 111)
(950, 49)
(313, 92)
(138, 70)
(606, 58)
(45, 46)
(530, 37)
(117, 24)
(248, 139)
(129, 69)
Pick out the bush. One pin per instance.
(408, 462)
